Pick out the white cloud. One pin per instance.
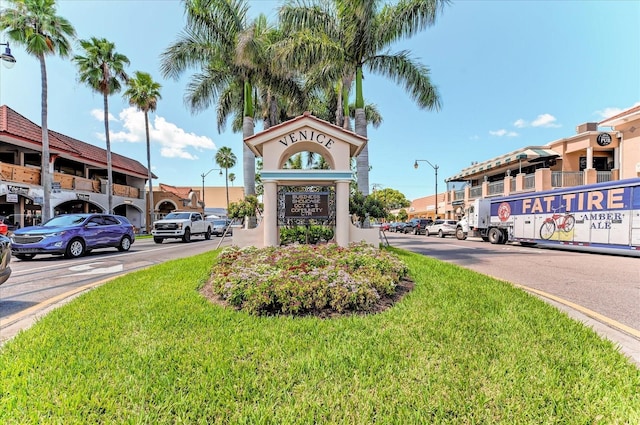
(503, 133)
(545, 120)
(174, 141)
(99, 115)
(610, 112)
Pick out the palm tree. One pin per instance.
(358, 34)
(144, 93)
(231, 56)
(102, 69)
(232, 178)
(226, 159)
(35, 25)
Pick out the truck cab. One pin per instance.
(181, 225)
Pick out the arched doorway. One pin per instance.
(164, 208)
(77, 206)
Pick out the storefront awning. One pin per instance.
(529, 154)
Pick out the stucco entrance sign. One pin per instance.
(276, 145)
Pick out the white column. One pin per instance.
(342, 213)
(589, 157)
(270, 218)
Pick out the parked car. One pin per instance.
(400, 226)
(5, 259)
(442, 228)
(417, 226)
(220, 226)
(385, 227)
(73, 235)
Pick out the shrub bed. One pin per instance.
(307, 279)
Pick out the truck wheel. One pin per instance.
(157, 240)
(460, 234)
(207, 235)
(187, 235)
(495, 236)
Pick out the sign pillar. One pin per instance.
(270, 218)
(342, 213)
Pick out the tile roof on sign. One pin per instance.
(17, 126)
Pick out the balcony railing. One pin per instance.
(31, 175)
(475, 192)
(603, 176)
(19, 174)
(567, 178)
(126, 191)
(496, 188)
(529, 182)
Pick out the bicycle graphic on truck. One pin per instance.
(557, 222)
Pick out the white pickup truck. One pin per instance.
(181, 225)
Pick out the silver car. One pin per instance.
(442, 228)
(220, 226)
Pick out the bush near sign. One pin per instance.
(306, 205)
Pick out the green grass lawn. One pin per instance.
(461, 348)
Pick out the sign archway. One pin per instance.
(275, 146)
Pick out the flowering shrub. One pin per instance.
(306, 279)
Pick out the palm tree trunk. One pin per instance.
(149, 175)
(346, 85)
(109, 172)
(226, 182)
(339, 108)
(248, 158)
(45, 175)
(362, 162)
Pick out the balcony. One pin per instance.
(31, 175)
(542, 179)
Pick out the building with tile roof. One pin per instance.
(79, 175)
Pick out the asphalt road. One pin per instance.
(603, 291)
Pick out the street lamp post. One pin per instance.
(7, 58)
(203, 175)
(435, 168)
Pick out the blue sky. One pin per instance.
(510, 74)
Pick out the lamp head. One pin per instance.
(7, 57)
(220, 173)
(415, 165)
